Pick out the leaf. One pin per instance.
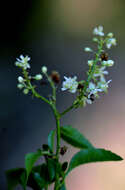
(74, 137)
(92, 155)
(51, 163)
(13, 177)
(40, 181)
(38, 178)
(51, 137)
(30, 160)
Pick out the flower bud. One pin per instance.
(20, 86)
(25, 91)
(108, 63)
(64, 166)
(63, 150)
(44, 69)
(104, 56)
(90, 62)
(87, 49)
(55, 77)
(45, 147)
(80, 86)
(38, 77)
(95, 39)
(110, 35)
(20, 79)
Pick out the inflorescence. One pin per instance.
(87, 90)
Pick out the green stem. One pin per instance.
(57, 118)
(67, 110)
(32, 88)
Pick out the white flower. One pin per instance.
(44, 69)
(20, 79)
(87, 49)
(108, 63)
(92, 89)
(38, 77)
(101, 72)
(90, 62)
(88, 101)
(98, 31)
(70, 84)
(23, 62)
(110, 42)
(103, 85)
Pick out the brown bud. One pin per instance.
(45, 147)
(63, 150)
(64, 166)
(92, 97)
(55, 77)
(80, 86)
(104, 56)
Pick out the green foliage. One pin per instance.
(30, 160)
(13, 177)
(92, 155)
(74, 137)
(51, 138)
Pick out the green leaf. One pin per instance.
(51, 138)
(40, 181)
(30, 160)
(13, 177)
(92, 155)
(74, 137)
(23, 180)
(51, 163)
(38, 178)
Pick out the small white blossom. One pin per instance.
(111, 42)
(92, 89)
(20, 79)
(98, 31)
(90, 62)
(38, 77)
(23, 62)
(88, 101)
(101, 72)
(87, 49)
(108, 63)
(70, 84)
(44, 69)
(103, 85)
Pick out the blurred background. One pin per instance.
(54, 33)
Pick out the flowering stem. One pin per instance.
(37, 95)
(91, 72)
(67, 110)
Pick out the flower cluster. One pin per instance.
(87, 90)
(23, 62)
(70, 84)
(96, 81)
(24, 82)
